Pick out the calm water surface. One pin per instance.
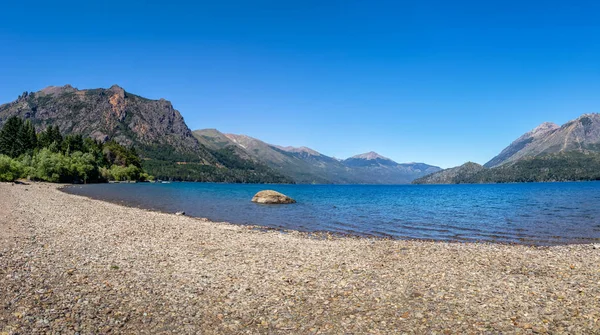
(537, 213)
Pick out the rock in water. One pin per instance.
(272, 197)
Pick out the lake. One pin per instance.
(534, 213)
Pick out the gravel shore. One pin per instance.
(69, 264)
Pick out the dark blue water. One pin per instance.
(539, 214)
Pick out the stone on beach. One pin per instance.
(272, 197)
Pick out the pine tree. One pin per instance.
(45, 138)
(10, 143)
(26, 139)
(56, 136)
(32, 136)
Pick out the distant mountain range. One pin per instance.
(547, 153)
(305, 165)
(170, 150)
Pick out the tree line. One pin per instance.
(50, 156)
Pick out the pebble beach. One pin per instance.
(73, 265)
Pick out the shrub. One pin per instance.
(10, 169)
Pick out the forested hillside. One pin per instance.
(50, 156)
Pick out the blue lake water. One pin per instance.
(536, 213)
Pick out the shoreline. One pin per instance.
(69, 263)
(333, 234)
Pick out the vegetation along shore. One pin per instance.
(48, 156)
(71, 264)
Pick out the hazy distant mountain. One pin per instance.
(373, 168)
(153, 127)
(306, 165)
(303, 165)
(581, 134)
(300, 150)
(369, 159)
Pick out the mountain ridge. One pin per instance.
(582, 133)
(549, 152)
(103, 113)
(306, 165)
(170, 150)
(154, 127)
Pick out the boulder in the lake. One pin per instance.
(272, 197)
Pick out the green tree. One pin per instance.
(26, 137)
(50, 166)
(10, 169)
(120, 155)
(50, 157)
(32, 135)
(83, 167)
(56, 137)
(10, 143)
(72, 143)
(45, 137)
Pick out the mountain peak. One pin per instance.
(299, 150)
(544, 127)
(580, 134)
(58, 89)
(371, 155)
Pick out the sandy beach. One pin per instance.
(69, 264)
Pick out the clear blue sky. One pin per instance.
(441, 82)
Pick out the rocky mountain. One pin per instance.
(581, 134)
(213, 139)
(374, 168)
(456, 175)
(547, 153)
(105, 114)
(299, 150)
(306, 165)
(170, 150)
(369, 159)
(153, 127)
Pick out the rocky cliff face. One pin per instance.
(581, 134)
(105, 114)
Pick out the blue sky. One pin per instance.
(431, 81)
